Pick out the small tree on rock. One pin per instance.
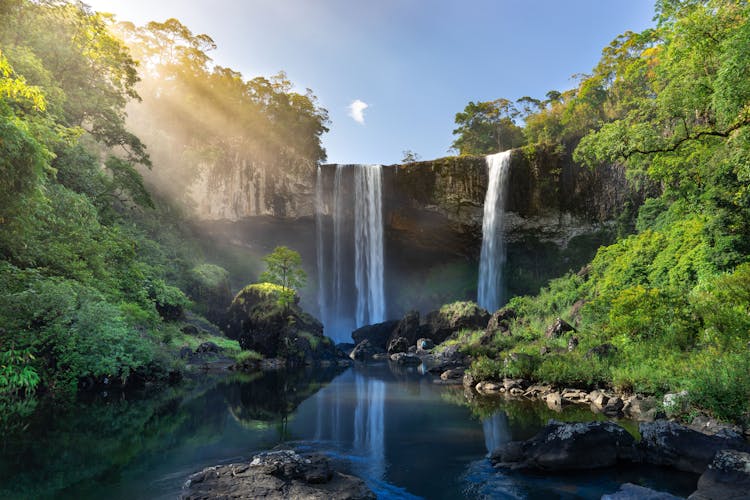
(284, 268)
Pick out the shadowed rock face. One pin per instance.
(279, 475)
(260, 323)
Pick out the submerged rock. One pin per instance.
(279, 475)
(629, 491)
(569, 446)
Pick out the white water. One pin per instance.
(492, 259)
(351, 291)
(368, 244)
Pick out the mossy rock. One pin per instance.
(454, 317)
(260, 322)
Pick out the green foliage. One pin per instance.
(487, 127)
(284, 268)
(720, 383)
(17, 377)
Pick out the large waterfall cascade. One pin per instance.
(350, 255)
(492, 259)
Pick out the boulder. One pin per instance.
(398, 344)
(559, 327)
(453, 374)
(674, 445)
(364, 351)
(727, 477)
(209, 288)
(452, 318)
(403, 358)
(572, 343)
(425, 344)
(489, 387)
(629, 491)
(408, 328)
(441, 359)
(378, 334)
(554, 401)
(500, 321)
(569, 446)
(277, 475)
(345, 348)
(260, 322)
(614, 406)
(208, 347)
(190, 330)
(640, 408)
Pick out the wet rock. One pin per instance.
(514, 383)
(640, 408)
(569, 446)
(554, 401)
(500, 321)
(398, 344)
(276, 475)
(469, 380)
(381, 356)
(614, 406)
(727, 477)
(441, 359)
(408, 328)
(453, 374)
(378, 334)
(674, 445)
(424, 344)
(575, 395)
(489, 387)
(346, 348)
(629, 491)
(364, 351)
(708, 425)
(537, 391)
(403, 358)
(559, 327)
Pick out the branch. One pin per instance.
(689, 137)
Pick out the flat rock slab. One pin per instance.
(629, 491)
(283, 474)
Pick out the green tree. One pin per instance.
(284, 267)
(487, 127)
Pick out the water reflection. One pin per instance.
(403, 434)
(496, 431)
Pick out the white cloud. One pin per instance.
(357, 111)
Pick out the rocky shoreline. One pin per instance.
(723, 461)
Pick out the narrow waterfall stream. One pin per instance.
(492, 259)
(349, 239)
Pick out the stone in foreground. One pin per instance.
(727, 477)
(283, 474)
(561, 446)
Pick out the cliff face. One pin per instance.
(549, 197)
(245, 189)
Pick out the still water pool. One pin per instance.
(406, 436)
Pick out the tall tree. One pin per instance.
(487, 127)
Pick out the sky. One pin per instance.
(393, 73)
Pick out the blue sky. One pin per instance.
(413, 63)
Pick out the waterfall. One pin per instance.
(368, 244)
(349, 243)
(492, 259)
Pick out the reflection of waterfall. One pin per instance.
(349, 220)
(496, 431)
(369, 428)
(492, 260)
